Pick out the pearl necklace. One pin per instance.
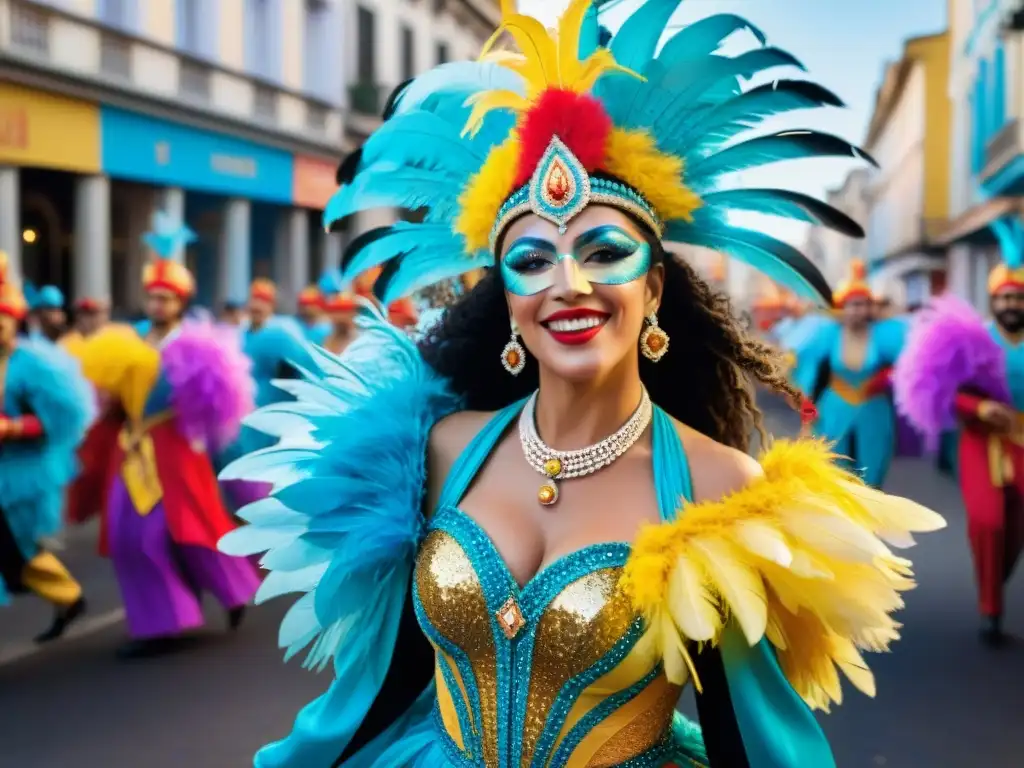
(566, 465)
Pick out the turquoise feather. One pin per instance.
(423, 138)
(345, 528)
(748, 110)
(785, 204)
(404, 238)
(386, 186)
(764, 150)
(462, 77)
(768, 255)
(704, 37)
(429, 266)
(637, 39)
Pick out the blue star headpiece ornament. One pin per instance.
(168, 237)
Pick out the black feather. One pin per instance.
(788, 204)
(808, 90)
(360, 242)
(387, 274)
(392, 103)
(348, 167)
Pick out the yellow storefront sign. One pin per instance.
(42, 130)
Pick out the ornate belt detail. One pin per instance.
(1000, 460)
(138, 470)
(851, 393)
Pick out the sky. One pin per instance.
(844, 44)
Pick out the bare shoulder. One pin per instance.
(448, 439)
(717, 470)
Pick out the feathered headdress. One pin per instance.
(568, 122)
(853, 287)
(12, 301)
(47, 297)
(263, 289)
(1010, 273)
(310, 296)
(167, 240)
(334, 296)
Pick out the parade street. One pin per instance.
(943, 700)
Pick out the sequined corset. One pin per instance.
(550, 674)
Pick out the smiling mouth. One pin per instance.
(577, 329)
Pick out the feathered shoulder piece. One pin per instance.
(569, 118)
(344, 519)
(119, 362)
(211, 389)
(949, 348)
(800, 556)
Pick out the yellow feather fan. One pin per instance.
(799, 556)
(116, 360)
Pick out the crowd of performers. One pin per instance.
(130, 424)
(475, 618)
(914, 384)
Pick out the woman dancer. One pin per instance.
(173, 397)
(46, 409)
(845, 368)
(554, 484)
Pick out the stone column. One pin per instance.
(330, 250)
(234, 270)
(10, 218)
(294, 256)
(92, 238)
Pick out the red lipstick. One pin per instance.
(575, 326)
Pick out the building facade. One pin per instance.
(986, 87)
(232, 114)
(908, 194)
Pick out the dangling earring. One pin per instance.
(513, 356)
(653, 340)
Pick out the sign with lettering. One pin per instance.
(314, 182)
(153, 151)
(42, 130)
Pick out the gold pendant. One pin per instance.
(548, 493)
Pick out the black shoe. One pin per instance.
(62, 620)
(235, 617)
(992, 631)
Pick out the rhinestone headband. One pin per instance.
(561, 188)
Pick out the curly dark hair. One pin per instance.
(705, 381)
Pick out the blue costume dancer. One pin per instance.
(554, 626)
(274, 345)
(845, 369)
(315, 326)
(46, 408)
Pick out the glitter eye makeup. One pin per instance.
(606, 255)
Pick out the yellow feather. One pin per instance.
(739, 584)
(485, 101)
(795, 557)
(569, 26)
(538, 49)
(692, 606)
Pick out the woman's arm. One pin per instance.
(749, 713)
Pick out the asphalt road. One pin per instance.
(943, 700)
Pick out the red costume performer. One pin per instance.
(958, 370)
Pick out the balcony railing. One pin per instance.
(56, 43)
(365, 98)
(1002, 148)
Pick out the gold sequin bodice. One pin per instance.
(550, 674)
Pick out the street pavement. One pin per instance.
(943, 700)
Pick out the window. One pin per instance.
(316, 46)
(442, 53)
(366, 31)
(408, 53)
(263, 41)
(118, 13)
(190, 38)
